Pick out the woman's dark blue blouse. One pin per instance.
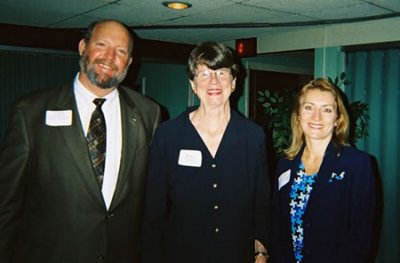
(201, 208)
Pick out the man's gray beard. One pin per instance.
(94, 77)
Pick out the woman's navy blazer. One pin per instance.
(339, 218)
(208, 211)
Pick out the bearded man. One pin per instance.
(73, 163)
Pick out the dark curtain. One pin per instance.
(22, 71)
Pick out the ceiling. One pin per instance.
(218, 20)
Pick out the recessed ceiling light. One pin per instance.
(177, 5)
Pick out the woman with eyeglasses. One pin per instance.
(207, 197)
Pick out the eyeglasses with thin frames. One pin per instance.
(220, 74)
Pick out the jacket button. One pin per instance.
(100, 258)
(109, 215)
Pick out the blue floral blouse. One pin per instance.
(299, 196)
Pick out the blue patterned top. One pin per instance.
(299, 196)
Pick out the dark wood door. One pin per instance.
(273, 81)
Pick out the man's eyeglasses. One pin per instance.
(220, 74)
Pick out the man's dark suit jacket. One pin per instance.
(51, 207)
(338, 221)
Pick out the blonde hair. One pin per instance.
(341, 132)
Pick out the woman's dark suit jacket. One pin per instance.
(210, 213)
(338, 221)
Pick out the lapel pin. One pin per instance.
(336, 177)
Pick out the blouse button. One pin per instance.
(213, 165)
(215, 185)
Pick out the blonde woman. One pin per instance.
(324, 197)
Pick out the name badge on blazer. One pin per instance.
(191, 158)
(283, 179)
(59, 117)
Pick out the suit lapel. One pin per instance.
(76, 142)
(131, 123)
(329, 165)
(293, 167)
(283, 194)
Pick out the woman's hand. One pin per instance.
(260, 252)
(260, 259)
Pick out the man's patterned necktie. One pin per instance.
(96, 139)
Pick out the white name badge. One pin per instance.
(191, 158)
(59, 118)
(283, 179)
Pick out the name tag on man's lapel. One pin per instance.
(191, 158)
(59, 117)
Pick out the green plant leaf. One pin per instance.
(267, 105)
(346, 82)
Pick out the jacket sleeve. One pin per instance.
(155, 203)
(14, 155)
(263, 195)
(362, 213)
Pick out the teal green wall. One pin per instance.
(329, 62)
(329, 35)
(167, 84)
